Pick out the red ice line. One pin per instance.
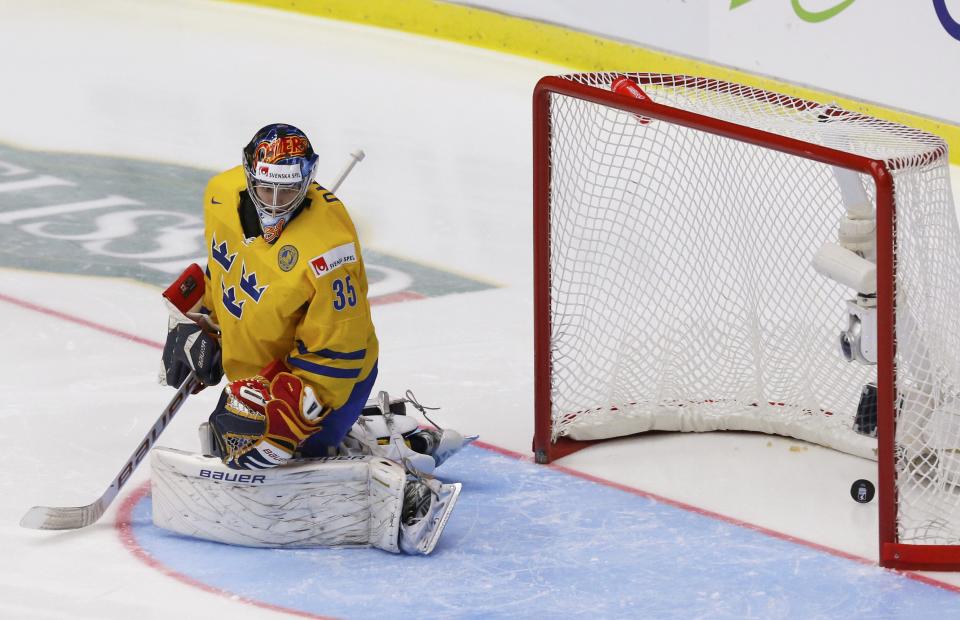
(79, 321)
(124, 525)
(124, 519)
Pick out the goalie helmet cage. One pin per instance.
(674, 287)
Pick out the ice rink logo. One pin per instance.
(59, 218)
(949, 24)
(812, 17)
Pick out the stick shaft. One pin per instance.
(355, 158)
(71, 518)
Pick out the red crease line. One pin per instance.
(719, 517)
(124, 525)
(504, 451)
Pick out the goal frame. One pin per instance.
(892, 552)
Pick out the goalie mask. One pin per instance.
(280, 164)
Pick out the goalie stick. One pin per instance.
(72, 518)
(76, 517)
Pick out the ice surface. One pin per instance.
(445, 186)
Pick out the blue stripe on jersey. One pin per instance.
(330, 354)
(326, 371)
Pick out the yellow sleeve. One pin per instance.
(336, 346)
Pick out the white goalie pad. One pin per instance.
(345, 501)
(384, 429)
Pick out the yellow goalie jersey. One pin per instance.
(302, 299)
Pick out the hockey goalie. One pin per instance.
(293, 454)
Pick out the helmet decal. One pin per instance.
(279, 164)
(278, 173)
(275, 149)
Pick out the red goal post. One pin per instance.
(591, 163)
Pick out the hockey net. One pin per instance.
(675, 288)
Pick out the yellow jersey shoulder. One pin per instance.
(322, 233)
(226, 186)
(321, 226)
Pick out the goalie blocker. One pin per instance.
(343, 501)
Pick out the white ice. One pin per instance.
(446, 182)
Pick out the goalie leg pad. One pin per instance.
(384, 429)
(390, 438)
(399, 438)
(349, 501)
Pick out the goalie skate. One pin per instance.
(384, 429)
(430, 503)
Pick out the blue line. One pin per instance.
(946, 20)
(326, 371)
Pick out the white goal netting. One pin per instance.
(683, 295)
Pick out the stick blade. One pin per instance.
(52, 518)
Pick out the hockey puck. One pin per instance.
(862, 491)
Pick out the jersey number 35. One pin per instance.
(344, 294)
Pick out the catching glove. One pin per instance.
(260, 423)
